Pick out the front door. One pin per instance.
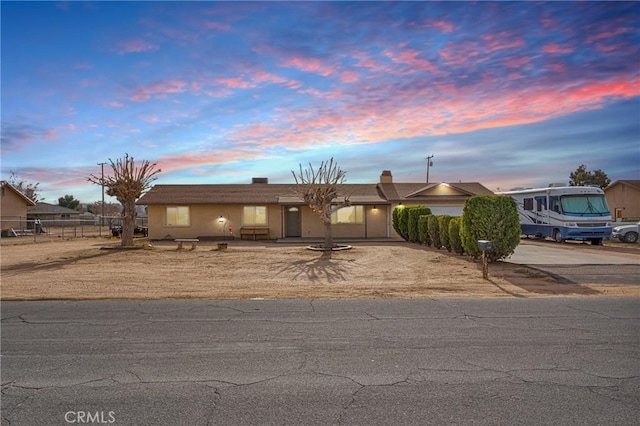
(292, 222)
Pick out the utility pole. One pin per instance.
(429, 163)
(102, 186)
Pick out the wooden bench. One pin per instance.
(254, 231)
(193, 241)
(21, 232)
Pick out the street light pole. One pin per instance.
(102, 186)
(429, 163)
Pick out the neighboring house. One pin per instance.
(274, 211)
(623, 197)
(13, 207)
(51, 214)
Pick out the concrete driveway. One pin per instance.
(580, 264)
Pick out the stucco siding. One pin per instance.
(623, 200)
(13, 210)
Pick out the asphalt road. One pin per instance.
(546, 361)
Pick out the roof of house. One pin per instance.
(48, 209)
(263, 193)
(630, 182)
(26, 199)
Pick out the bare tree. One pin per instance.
(30, 190)
(319, 188)
(127, 184)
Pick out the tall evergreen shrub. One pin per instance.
(414, 216)
(443, 229)
(454, 235)
(434, 232)
(403, 221)
(494, 218)
(423, 231)
(395, 220)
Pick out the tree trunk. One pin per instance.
(328, 236)
(128, 222)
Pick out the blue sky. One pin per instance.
(507, 94)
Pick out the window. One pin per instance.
(541, 203)
(254, 216)
(528, 203)
(177, 216)
(582, 204)
(350, 214)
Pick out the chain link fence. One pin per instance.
(15, 227)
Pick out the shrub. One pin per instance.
(423, 231)
(454, 235)
(494, 218)
(401, 219)
(414, 216)
(434, 234)
(395, 220)
(443, 229)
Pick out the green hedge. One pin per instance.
(434, 232)
(493, 218)
(443, 229)
(423, 231)
(454, 235)
(414, 217)
(395, 220)
(402, 224)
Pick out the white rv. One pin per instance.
(564, 213)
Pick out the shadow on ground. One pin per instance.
(320, 268)
(537, 281)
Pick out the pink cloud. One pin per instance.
(311, 65)
(135, 46)
(410, 57)
(502, 40)
(116, 104)
(235, 83)
(517, 62)
(458, 110)
(159, 89)
(444, 26)
(554, 48)
(219, 26)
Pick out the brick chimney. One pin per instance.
(386, 177)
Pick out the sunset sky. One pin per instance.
(505, 94)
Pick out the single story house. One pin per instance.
(623, 197)
(276, 211)
(13, 205)
(51, 214)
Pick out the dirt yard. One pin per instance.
(97, 268)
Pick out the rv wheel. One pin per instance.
(558, 236)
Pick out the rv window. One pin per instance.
(554, 204)
(541, 203)
(528, 203)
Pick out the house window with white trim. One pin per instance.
(348, 215)
(254, 216)
(177, 216)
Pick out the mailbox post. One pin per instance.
(485, 245)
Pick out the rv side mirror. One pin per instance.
(485, 245)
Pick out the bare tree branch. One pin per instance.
(127, 184)
(319, 188)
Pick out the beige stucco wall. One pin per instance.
(13, 210)
(204, 222)
(625, 198)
